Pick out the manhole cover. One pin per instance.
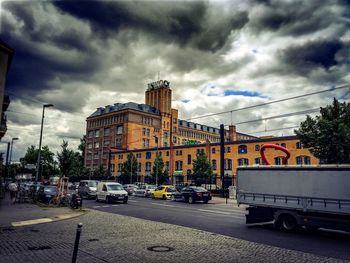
(93, 239)
(160, 249)
(39, 248)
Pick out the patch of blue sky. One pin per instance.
(242, 93)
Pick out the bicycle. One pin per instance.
(58, 201)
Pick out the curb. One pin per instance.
(48, 219)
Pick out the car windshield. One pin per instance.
(50, 189)
(92, 184)
(171, 189)
(151, 187)
(199, 189)
(114, 187)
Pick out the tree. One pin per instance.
(66, 159)
(202, 170)
(158, 168)
(46, 157)
(328, 135)
(129, 169)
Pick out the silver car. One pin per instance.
(145, 190)
(87, 188)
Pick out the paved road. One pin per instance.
(229, 220)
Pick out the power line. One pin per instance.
(271, 102)
(278, 129)
(280, 116)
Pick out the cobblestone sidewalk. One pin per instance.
(114, 238)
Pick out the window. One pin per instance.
(298, 145)
(148, 166)
(174, 139)
(189, 172)
(106, 131)
(167, 153)
(243, 161)
(229, 149)
(242, 149)
(174, 129)
(143, 131)
(96, 156)
(303, 160)
(229, 164)
(97, 133)
(213, 164)
(148, 155)
(119, 129)
(307, 160)
(178, 165)
(189, 159)
(299, 160)
(180, 152)
(148, 132)
(278, 160)
(106, 143)
(89, 145)
(91, 134)
(177, 153)
(257, 160)
(213, 150)
(97, 145)
(167, 165)
(174, 120)
(257, 147)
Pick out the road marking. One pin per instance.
(32, 222)
(163, 205)
(105, 206)
(220, 212)
(96, 206)
(133, 201)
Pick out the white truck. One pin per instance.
(294, 196)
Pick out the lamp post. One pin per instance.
(10, 159)
(41, 136)
(156, 140)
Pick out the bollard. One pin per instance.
(76, 243)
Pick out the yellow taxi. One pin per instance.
(164, 192)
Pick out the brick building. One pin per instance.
(154, 128)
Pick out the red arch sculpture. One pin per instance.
(276, 147)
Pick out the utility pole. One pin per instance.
(222, 157)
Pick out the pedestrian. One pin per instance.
(13, 191)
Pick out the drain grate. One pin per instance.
(93, 239)
(39, 248)
(160, 249)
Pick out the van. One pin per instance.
(111, 192)
(87, 188)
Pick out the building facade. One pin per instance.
(154, 124)
(179, 159)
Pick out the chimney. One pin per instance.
(232, 133)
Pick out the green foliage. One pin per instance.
(158, 169)
(66, 159)
(46, 157)
(328, 135)
(129, 169)
(202, 170)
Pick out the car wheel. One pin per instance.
(125, 201)
(205, 201)
(164, 197)
(108, 200)
(190, 200)
(153, 197)
(173, 198)
(97, 199)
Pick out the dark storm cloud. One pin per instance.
(312, 55)
(185, 23)
(295, 17)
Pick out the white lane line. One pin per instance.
(96, 206)
(221, 213)
(163, 205)
(133, 201)
(105, 206)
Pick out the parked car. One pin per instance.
(111, 192)
(145, 190)
(87, 188)
(163, 192)
(46, 193)
(130, 188)
(192, 194)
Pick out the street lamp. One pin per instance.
(156, 140)
(41, 136)
(8, 171)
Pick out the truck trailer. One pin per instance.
(295, 196)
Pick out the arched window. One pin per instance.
(242, 149)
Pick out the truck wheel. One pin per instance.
(288, 222)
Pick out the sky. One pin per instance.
(217, 55)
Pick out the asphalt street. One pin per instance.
(229, 220)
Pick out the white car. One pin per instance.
(145, 190)
(111, 192)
